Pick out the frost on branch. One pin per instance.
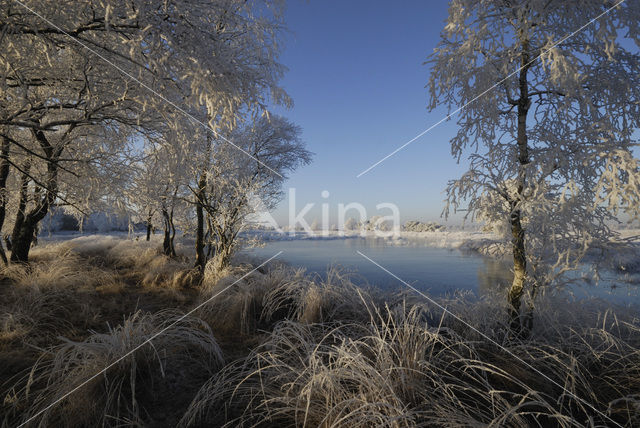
(85, 82)
(548, 124)
(418, 226)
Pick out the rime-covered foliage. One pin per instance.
(114, 104)
(242, 182)
(548, 122)
(418, 226)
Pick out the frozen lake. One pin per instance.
(439, 271)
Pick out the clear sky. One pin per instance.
(357, 79)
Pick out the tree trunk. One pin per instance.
(200, 255)
(527, 319)
(223, 259)
(21, 240)
(4, 174)
(22, 233)
(211, 250)
(169, 232)
(223, 254)
(26, 224)
(36, 231)
(517, 232)
(172, 229)
(201, 258)
(166, 242)
(149, 228)
(519, 270)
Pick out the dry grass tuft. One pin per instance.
(66, 271)
(121, 394)
(260, 300)
(186, 278)
(35, 315)
(159, 271)
(405, 368)
(294, 296)
(144, 262)
(48, 297)
(236, 310)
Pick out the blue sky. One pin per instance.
(357, 79)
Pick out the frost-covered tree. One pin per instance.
(142, 192)
(158, 189)
(237, 184)
(69, 66)
(548, 117)
(351, 224)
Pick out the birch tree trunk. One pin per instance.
(169, 233)
(517, 232)
(201, 257)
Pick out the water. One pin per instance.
(438, 271)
